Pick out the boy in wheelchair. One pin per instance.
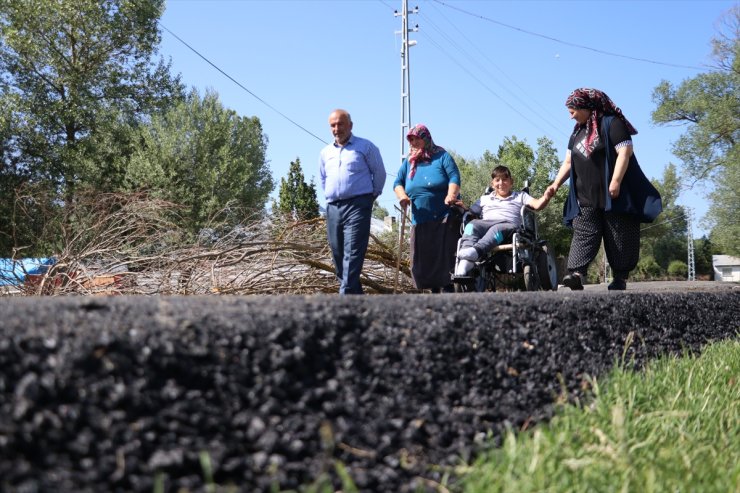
(500, 215)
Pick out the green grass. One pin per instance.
(673, 427)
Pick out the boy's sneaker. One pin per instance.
(573, 281)
(464, 267)
(469, 253)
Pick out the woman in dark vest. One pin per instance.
(609, 194)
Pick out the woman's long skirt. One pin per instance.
(433, 251)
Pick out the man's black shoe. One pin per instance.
(617, 285)
(573, 281)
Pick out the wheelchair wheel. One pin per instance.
(531, 280)
(547, 269)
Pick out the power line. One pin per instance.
(567, 43)
(680, 214)
(483, 54)
(485, 86)
(241, 86)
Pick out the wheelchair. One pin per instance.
(525, 256)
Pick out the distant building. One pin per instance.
(377, 226)
(726, 268)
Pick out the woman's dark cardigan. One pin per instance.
(637, 196)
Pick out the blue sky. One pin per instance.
(480, 71)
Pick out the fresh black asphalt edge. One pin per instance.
(122, 393)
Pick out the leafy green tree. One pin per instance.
(379, 212)
(205, 157)
(296, 197)
(724, 211)
(75, 71)
(703, 251)
(666, 239)
(550, 219)
(709, 105)
(518, 156)
(76, 78)
(475, 176)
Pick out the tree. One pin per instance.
(74, 74)
(709, 105)
(550, 219)
(379, 212)
(475, 176)
(724, 211)
(665, 240)
(205, 157)
(297, 198)
(75, 80)
(703, 251)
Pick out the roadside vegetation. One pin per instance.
(675, 426)
(76, 123)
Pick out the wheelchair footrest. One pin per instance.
(462, 278)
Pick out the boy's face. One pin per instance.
(502, 185)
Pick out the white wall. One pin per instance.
(726, 268)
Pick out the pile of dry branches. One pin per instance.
(132, 244)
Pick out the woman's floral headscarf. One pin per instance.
(600, 104)
(424, 154)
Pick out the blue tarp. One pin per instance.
(13, 272)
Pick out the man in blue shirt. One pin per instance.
(352, 176)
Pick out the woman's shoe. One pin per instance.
(617, 285)
(573, 281)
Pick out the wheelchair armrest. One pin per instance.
(529, 219)
(469, 215)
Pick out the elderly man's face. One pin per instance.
(341, 127)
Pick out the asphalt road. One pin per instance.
(112, 393)
(668, 286)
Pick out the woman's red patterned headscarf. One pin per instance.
(600, 104)
(424, 154)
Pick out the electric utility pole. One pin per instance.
(405, 77)
(692, 269)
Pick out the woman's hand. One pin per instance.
(403, 199)
(614, 187)
(451, 199)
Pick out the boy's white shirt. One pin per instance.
(507, 209)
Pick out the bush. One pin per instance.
(678, 268)
(647, 268)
